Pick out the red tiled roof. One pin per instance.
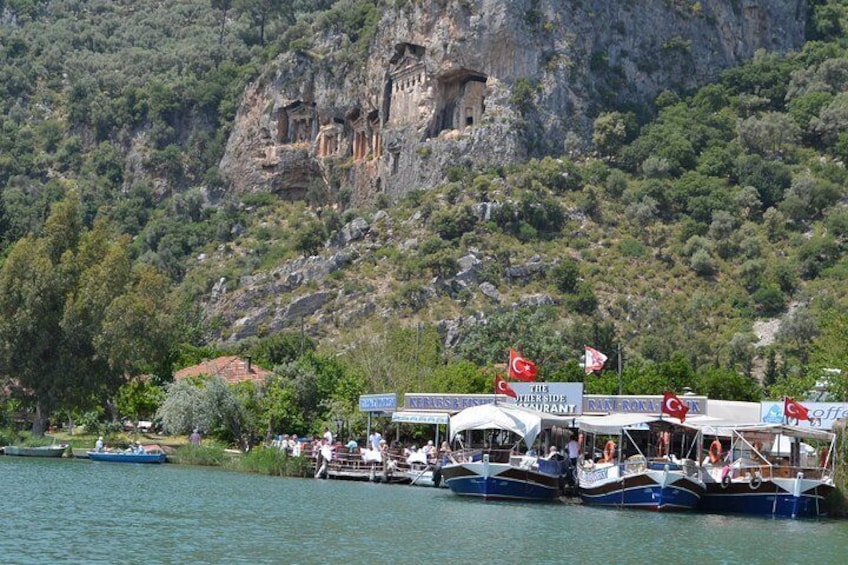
(232, 369)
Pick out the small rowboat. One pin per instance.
(40, 451)
(128, 457)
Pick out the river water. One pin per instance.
(78, 511)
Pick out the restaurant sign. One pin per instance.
(378, 402)
(553, 398)
(603, 404)
(447, 402)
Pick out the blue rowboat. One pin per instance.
(123, 457)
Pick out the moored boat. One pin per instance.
(149, 455)
(768, 469)
(38, 451)
(500, 468)
(633, 471)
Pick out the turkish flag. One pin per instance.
(674, 407)
(502, 387)
(521, 369)
(792, 409)
(593, 359)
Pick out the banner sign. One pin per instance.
(448, 402)
(378, 402)
(601, 404)
(421, 417)
(553, 398)
(822, 414)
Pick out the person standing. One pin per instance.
(98, 445)
(194, 438)
(573, 450)
(328, 435)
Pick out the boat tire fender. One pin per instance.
(755, 482)
(725, 481)
(437, 475)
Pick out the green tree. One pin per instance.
(56, 293)
(262, 11)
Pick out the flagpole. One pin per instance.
(619, 368)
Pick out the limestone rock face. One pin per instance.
(480, 83)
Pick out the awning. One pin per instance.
(520, 421)
(421, 417)
(614, 423)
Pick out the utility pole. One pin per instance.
(619, 368)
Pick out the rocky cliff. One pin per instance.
(479, 83)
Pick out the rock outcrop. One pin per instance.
(479, 83)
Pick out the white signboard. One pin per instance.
(822, 414)
(554, 398)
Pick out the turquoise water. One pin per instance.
(77, 511)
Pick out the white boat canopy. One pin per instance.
(520, 421)
(721, 428)
(614, 423)
(789, 431)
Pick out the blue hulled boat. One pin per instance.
(663, 482)
(769, 470)
(148, 456)
(498, 469)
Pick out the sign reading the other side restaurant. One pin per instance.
(553, 398)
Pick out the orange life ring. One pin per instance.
(609, 451)
(715, 451)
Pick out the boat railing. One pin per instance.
(473, 454)
(688, 466)
(763, 470)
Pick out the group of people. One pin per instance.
(134, 447)
(290, 444)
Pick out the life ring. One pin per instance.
(609, 451)
(715, 451)
(755, 481)
(726, 480)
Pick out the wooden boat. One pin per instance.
(502, 471)
(39, 451)
(769, 470)
(153, 455)
(661, 482)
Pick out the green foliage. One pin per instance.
(452, 223)
(273, 462)
(205, 455)
(280, 348)
(566, 275)
(523, 95)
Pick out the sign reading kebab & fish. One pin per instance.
(553, 398)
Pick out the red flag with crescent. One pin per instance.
(502, 387)
(792, 409)
(521, 369)
(673, 406)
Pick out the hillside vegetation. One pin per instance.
(707, 243)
